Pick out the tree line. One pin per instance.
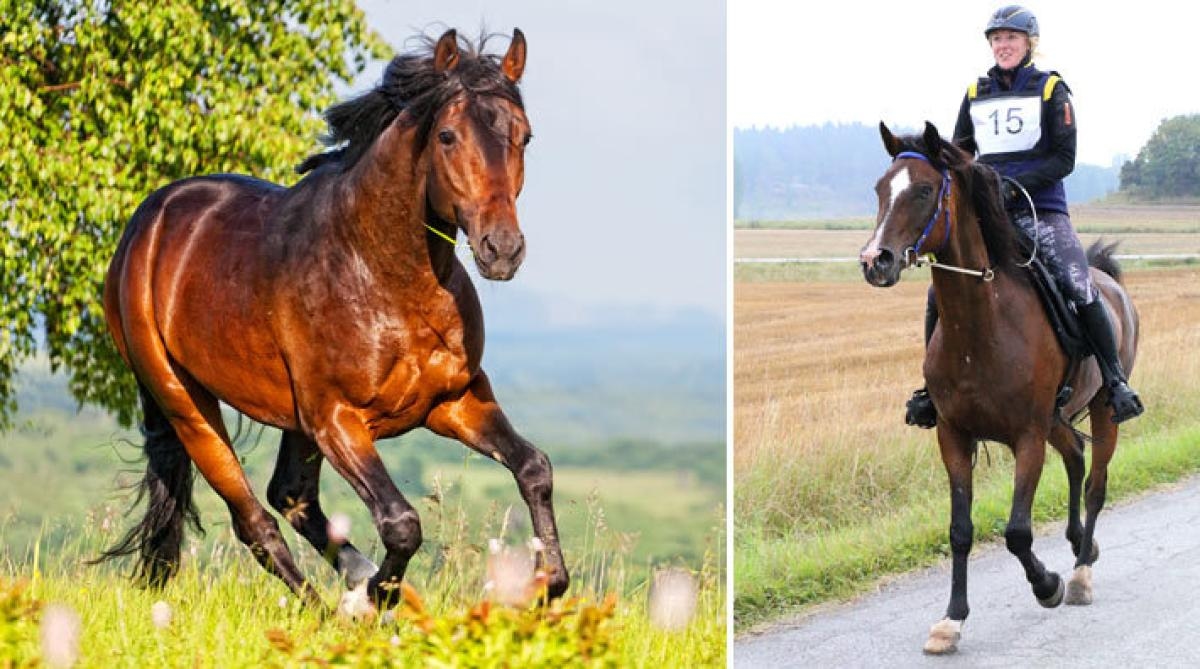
(1168, 166)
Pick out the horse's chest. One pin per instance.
(431, 364)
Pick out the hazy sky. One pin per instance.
(1129, 64)
(624, 200)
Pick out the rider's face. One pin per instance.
(1009, 47)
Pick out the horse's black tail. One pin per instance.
(1100, 256)
(167, 487)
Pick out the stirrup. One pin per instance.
(920, 410)
(1125, 402)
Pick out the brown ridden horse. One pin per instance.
(335, 310)
(994, 366)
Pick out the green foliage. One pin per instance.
(1169, 165)
(571, 633)
(19, 615)
(102, 103)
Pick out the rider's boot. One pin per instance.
(920, 410)
(1124, 401)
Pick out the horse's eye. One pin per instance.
(446, 137)
(527, 140)
(924, 191)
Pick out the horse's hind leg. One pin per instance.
(1030, 453)
(1068, 443)
(293, 492)
(1104, 443)
(475, 419)
(196, 417)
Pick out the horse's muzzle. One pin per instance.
(499, 254)
(879, 267)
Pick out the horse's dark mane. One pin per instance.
(410, 84)
(983, 183)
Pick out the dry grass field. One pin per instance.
(1141, 229)
(822, 369)
(846, 243)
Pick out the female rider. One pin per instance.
(1020, 120)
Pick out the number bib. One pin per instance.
(1007, 124)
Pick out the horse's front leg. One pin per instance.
(475, 419)
(1030, 454)
(342, 435)
(956, 450)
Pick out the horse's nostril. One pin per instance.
(885, 259)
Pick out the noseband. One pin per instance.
(943, 212)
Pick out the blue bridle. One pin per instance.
(941, 211)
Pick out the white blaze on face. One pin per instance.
(899, 183)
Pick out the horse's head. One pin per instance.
(913, 198)
(476, 146)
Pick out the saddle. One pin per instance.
(1062, 316)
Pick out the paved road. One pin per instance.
(1146, 610)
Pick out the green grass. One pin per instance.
(60, 504)
(226, 611)
(777, 574)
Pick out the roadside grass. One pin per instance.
(226, 611)
(833, 492)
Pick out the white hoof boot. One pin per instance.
(943, 637)
(356, 605)
(1079, 588)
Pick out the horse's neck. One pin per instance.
(386, 209)
(964, 300)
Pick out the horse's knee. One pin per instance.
(401, 532)
(536, 476)
(1018, 539)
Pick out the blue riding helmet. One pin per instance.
(1013, 17)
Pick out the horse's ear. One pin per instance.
(445, 54)
(933, 139)
(890, 143)
(514, 60)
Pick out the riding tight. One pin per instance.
(1061, 252)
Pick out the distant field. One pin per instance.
(832, 490)
(1098, 218)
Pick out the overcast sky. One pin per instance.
(1129, 64)
(624, 200)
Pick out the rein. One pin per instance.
(942, 211)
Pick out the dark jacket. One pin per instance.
(998, 109)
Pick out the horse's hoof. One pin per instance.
(355, 605)
(943, 637)
(1079, 588)
(1056, 598)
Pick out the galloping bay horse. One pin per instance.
(994, 366)
(335, 310)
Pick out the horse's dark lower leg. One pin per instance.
(1104, 442)
(1070, 447)
(348, 446)
(167, 487)
(956, 456)
(293, 492)
(1018, 535)
(477, 421)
